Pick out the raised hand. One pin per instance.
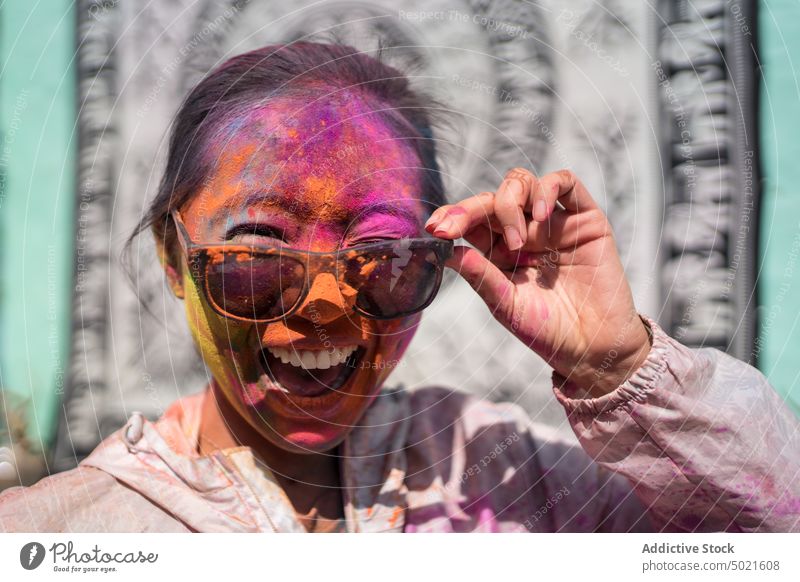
(546, 264)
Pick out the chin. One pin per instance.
(301, 427)
(310, 441)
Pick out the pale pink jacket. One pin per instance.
(694, 441)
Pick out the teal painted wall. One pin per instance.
(779, 281)
(37, 161)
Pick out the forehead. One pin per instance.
(328, 159)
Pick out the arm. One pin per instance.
(702, 437)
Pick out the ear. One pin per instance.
(172, 270)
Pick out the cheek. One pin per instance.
(219, 342)
(394, 337)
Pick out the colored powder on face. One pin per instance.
(341, 169)
(325, 288)
(202, 329)
(368, 268)
(322, 192)
(324, 184)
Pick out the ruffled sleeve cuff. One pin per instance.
(650, 374)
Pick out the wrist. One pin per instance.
(606, 372)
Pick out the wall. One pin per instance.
(37, 113)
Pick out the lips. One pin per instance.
(308, 373)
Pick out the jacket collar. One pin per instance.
(227, 491)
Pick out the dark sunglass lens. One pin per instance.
(254, 286)
(396, 282)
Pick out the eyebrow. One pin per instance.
(306, 210)
(272, 199)
(399, 211)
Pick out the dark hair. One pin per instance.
(250, 80)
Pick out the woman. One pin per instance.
(294, 221)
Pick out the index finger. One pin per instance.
(455, 220)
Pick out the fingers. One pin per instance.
(492, 245)
(505, 212)
(511, 199)
(565, 187)
(455, 220)
(544, 197)
(486, 278)
(482, 238)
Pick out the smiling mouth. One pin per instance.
(310, 373)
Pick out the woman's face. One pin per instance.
(312, 176)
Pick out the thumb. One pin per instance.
(496, 290)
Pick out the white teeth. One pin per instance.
(336, 357)
(313, 359)
(309, 360)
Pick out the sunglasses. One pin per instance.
(260, 283)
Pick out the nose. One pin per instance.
(326, 300)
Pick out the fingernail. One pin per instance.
(435, 217)
(513, 240)
(540, 209)
(445, 226)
